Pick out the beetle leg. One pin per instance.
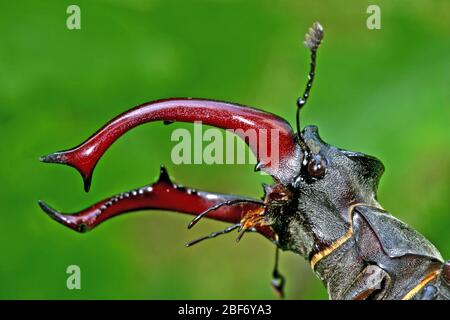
(162, 195)
(372, 282)
(280, 139)
(278, 280)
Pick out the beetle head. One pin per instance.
(311, 211)
(315, 211)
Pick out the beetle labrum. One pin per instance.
(322, 204)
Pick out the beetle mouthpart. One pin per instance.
(214, 234)
(228, 116)
(251, 220)
(79, 158)
(226, 203)
(161, 195)
(70, 221)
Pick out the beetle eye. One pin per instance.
(316, 166)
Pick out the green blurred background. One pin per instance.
(383, 92)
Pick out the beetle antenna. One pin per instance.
(312, 41)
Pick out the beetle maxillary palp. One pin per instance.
(218, 206)
(248, 223)
(214, 234)
(250, 220)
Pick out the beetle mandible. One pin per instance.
(322, 204)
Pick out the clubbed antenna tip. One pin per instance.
(314, 36)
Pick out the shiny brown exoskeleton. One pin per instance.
(322, 204)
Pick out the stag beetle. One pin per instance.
(322, 205)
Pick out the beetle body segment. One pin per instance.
(355, 247)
